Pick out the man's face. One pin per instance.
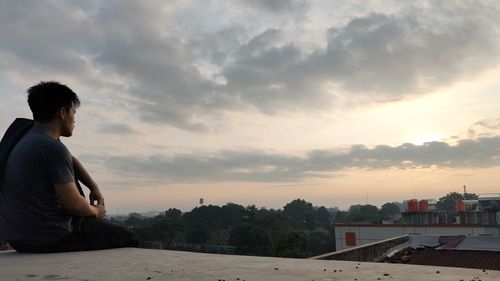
(69, 122)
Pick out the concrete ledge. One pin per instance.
(142, 264)
(369, 252)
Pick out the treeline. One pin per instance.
(298, 230)
(368, 213)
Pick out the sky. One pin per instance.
(261, 102)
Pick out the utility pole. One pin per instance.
(465, 190)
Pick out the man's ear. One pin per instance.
(61, 113)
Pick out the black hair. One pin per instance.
(47, 97)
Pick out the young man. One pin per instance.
(42, 207)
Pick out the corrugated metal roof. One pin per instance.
(457, 258)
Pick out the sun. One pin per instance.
(421, 139)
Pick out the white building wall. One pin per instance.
(372, 233)
(493, 230)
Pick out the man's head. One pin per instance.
(54, 102)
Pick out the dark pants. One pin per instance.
(89, 234)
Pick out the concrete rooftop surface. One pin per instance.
(143, 264)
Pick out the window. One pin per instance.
(350, 239)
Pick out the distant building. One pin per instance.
(484, 210)
(352, 235)
(474, 217)
(423, 212)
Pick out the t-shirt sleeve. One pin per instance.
(60, 164)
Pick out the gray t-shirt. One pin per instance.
(29, 209)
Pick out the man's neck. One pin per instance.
(49, 127)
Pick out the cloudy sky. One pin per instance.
(260, 102)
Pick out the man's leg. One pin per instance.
(93, 234)
(98, 234)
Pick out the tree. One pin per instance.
(323, 217)
(250, 239)
(164, 229)
(231, 215)
(289, 243)
(341, 216)
(471, 196)
(299, 210)
(363, 213)
(197, 234)
(206, 215)
(133, 221)
(447, 202)
(320, 242)
(389, 210)
(173, 214)
(268, 219)
(309, 221)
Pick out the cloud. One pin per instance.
(262, 166)
(144, 52)
(224, 166)
(484, 128)
(489, 124)
(390, 56)
(117, 128)
(377, 57)
(276, 6)
(126, 45)
(44, 38)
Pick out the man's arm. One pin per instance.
(82, 175)
(75, 204)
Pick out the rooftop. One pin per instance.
(457, 258)
(481, 252)
(142, 264)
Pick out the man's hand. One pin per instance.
(96, 195)
(101, 211)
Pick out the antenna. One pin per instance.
(413, 188)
